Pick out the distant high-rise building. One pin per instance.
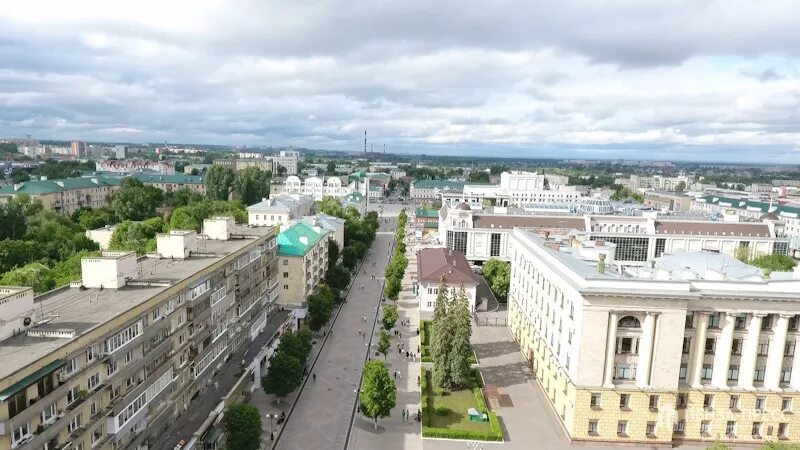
(78, 149)
(121, 151)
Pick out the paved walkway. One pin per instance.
(393, 432)
(321, 418)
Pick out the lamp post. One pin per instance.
(271, 428)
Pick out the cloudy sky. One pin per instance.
(680, 79)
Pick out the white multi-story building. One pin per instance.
(287, 159)
(279, 209)
(136, 165)
(693, 346)
(434, 264)
(481, 234)
(315, 187)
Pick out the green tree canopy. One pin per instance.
(384, 343)
(331, 206)
(252, 184)
(393, 287)
(135, 201)
(284, 375)
(390, 316)
(460, 350)
(441, 337)
(378, 392)
(337, 277)
(219, 182)
(90, 219)
(350, 257)
(297, 345)
(243, 427)
(137, 236)
(333, 252)
(774, 262)
(498, 277)
(14, 216)
(320, 307)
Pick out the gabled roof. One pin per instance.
(298, 239)
(429, 213)
(327, 222)
(435, 263)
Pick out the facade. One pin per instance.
(135, 165)
(102, 236)
(78, 149)
(121, 151)
(303, 254)
(484, 234)
(287, 159)
(668, 201)
(657, 182)
(70, 194)
(111, 360)
(279, 209)
(431, 189)
(692, 347)
(315, 187)
(264, 164)
(433, 264)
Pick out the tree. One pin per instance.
(349, 257)
(333, 252)
(337, 277)
(320, 307)
(14, 216)
(243, 427)
(331, 168)
(20, 176)
(478, 177)
(680, 187)
(35, 275)
(378, 392)
(718, 446)
(498, 277)
(331, 206)
(219, 182)
(774, 262)
(459, 319)
(252, 184)
(742, 253)
(441, 337)
(182, 197)
(389, 317)
(772, 445)
(284, 375)
(90, 219)
(297, 345)
(137, 236)
(392, 289)
(135, 201)
(383, 343)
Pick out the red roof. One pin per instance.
(433, 263)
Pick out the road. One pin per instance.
(321, 417)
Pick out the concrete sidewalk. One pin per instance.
(321, 418)
(393, 432)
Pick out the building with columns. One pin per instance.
(693, 346)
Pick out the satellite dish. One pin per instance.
(26, 321)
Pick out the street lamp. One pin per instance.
(271, 428)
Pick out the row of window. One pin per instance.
(680, 427)
(740, 322)
(708, 402)
(710, 346)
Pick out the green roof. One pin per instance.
(298, 239)
(441, 184)
(177, 178)
(426, 213)
(42, 187)
(353, 198)
(752, 205)
(430, 224)
(30, 379)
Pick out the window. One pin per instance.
(628, 248)
(128, 356)
(687, 345)
(761, 403)
(624, 400)
(759, 373)
(71, 366)
(285, 287)
(682, 401)
(736, 347)
(783, 430)
(705, 372)
(740, 322)
(74, 423)
(689, 320)
(766, 323)
(793, 323)
(94, 381)
(711, 344)
(713, 320)
(786, 374)
(680, 426)
(45, 385)
(624, 372)
(622, 428)
(111, 367)
(629, 322)
(653, 402)
(763, 348)
(651, 429)
(682, 372)
(49, 413)
(72, 395)
(627, 345)
(20, 433)
(593, 427)
(786, 404)
(594, 401)
(285, 274)
(457, 240)
(705, 425)
(733, 372)
(756, 429)
(708, 401)
(788, 349)
(730, 429)
(285, 262)
(734, 402)
(494, 246)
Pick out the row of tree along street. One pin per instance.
(396, 269)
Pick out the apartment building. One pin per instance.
(135, 165)
(287, 159)
(108, 361)
(279, 209)
(433, 264)
(484, 233)
(264, 164)
(71, 194)
(432, 189)
(303, 253)
(334, 225)
(691, 347)
(315, 187)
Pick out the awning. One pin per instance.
(30, 379)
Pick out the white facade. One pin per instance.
(178, 244)
(102, 236)
(429, 290)
(218, 228)
(279, 209)
(316, 187)
(136, 165)
(110, 270)
(287, 159)
(16, 304)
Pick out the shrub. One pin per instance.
(480, 403)
(477, 379)
(442, 410)
(447, 433)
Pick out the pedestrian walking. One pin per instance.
(314, 376)
(359, 331)
(395, 374)
(403, 413)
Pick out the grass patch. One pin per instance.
(444, 414)
(425, 333)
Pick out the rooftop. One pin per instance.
(80, 311)
(435, 263)
(42, 187)
(440, 184)
(298, 239)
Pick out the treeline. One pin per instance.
(396, 269)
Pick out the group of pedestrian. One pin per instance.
(407, 415)
(397, 374)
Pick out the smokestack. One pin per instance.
(365, 142)
(384, 149)
(601, 263)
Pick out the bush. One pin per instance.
(480, 403)
(442, 410)
(446, 433)
(477, 379)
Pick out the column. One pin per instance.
(699, 351)
(645, 361)
(611, 349)
(772, 378)
(747, 366)
(795, 381)
(722, 352)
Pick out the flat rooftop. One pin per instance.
(83, 310)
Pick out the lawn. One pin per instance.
(444, 414)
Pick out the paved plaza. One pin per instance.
(321, 417)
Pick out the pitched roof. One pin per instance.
(434, 263)
(441, 184)
(752, 205)
(743, 229)
(327, 222)
(298, 239)
(429, 213)
(508, 222)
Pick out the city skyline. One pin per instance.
(579, 81)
